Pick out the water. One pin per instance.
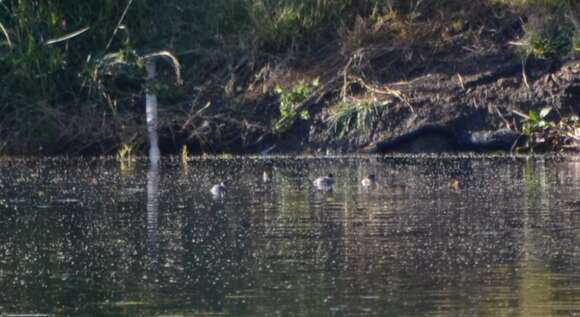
(93, 238)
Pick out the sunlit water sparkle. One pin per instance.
(94, 238)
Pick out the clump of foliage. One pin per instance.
(358, 116)
(285, 22)
(553, 41)
(125, 156)
(290, 104)
(545, 134)
(540, 132)
(125, 153)
(537, 121)
(550, 28)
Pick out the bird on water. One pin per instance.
(324, 182)
(219, 190)
(267, 176)
(369, 181)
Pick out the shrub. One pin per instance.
(290, 101)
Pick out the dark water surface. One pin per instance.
(92, 238)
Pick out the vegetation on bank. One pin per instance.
(71, 78)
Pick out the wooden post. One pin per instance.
(151, 112)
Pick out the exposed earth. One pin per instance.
(429, 80)
(479, 112)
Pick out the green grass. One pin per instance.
(125, 153)
(356, 117)
(550, 27)
(548, 43)
(281, 23)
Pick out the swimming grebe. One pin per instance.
(369, 181)
(324, 183)
(219, 189)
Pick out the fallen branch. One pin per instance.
(501, 116)
(317, 95)
(524, 76)
(461, 83)
(521, 114)
(386, 91)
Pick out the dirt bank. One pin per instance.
(490, 95)
(413, 78)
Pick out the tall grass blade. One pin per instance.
(119, 24)
(3, 29)
(68, 36)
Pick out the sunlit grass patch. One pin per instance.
(552, 40)
(549, 27)
(125, 157)
(359, 116)
(281, 23)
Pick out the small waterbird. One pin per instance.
(324, 182)
(219, 190)
(267, 177)
(369, 181)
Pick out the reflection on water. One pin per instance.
(82, 238)
(153, 179)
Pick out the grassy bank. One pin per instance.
(71, 80)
